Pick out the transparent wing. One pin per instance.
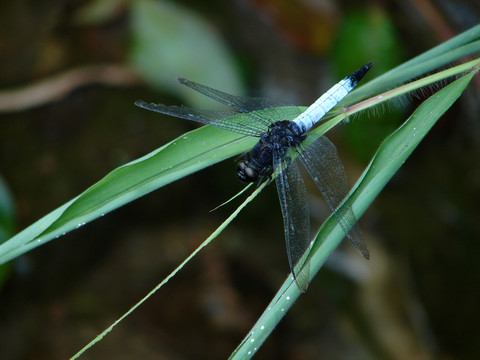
(280, 110)
(227, 120)
(323, 164)
(245, 120)
(242, 104)
(296, 218)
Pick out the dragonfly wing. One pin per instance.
(322, 162)
(296, 218)
(227, 120)
(244, 104)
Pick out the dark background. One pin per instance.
(417, 298)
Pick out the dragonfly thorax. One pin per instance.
(280, 137)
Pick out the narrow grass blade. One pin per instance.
(174, 272)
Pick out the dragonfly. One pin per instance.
(281, 143)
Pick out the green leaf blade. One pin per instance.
(187, 154)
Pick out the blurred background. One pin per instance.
(70, 72)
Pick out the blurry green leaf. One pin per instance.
(7, 212)
(7, 224)
(168, 41)
(370, 35)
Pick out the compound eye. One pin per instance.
(241, 166)
(246, 173)
(250, 174)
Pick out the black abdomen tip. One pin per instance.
(360, 73)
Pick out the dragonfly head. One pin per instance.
(246, 173)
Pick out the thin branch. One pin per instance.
(58, 86)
